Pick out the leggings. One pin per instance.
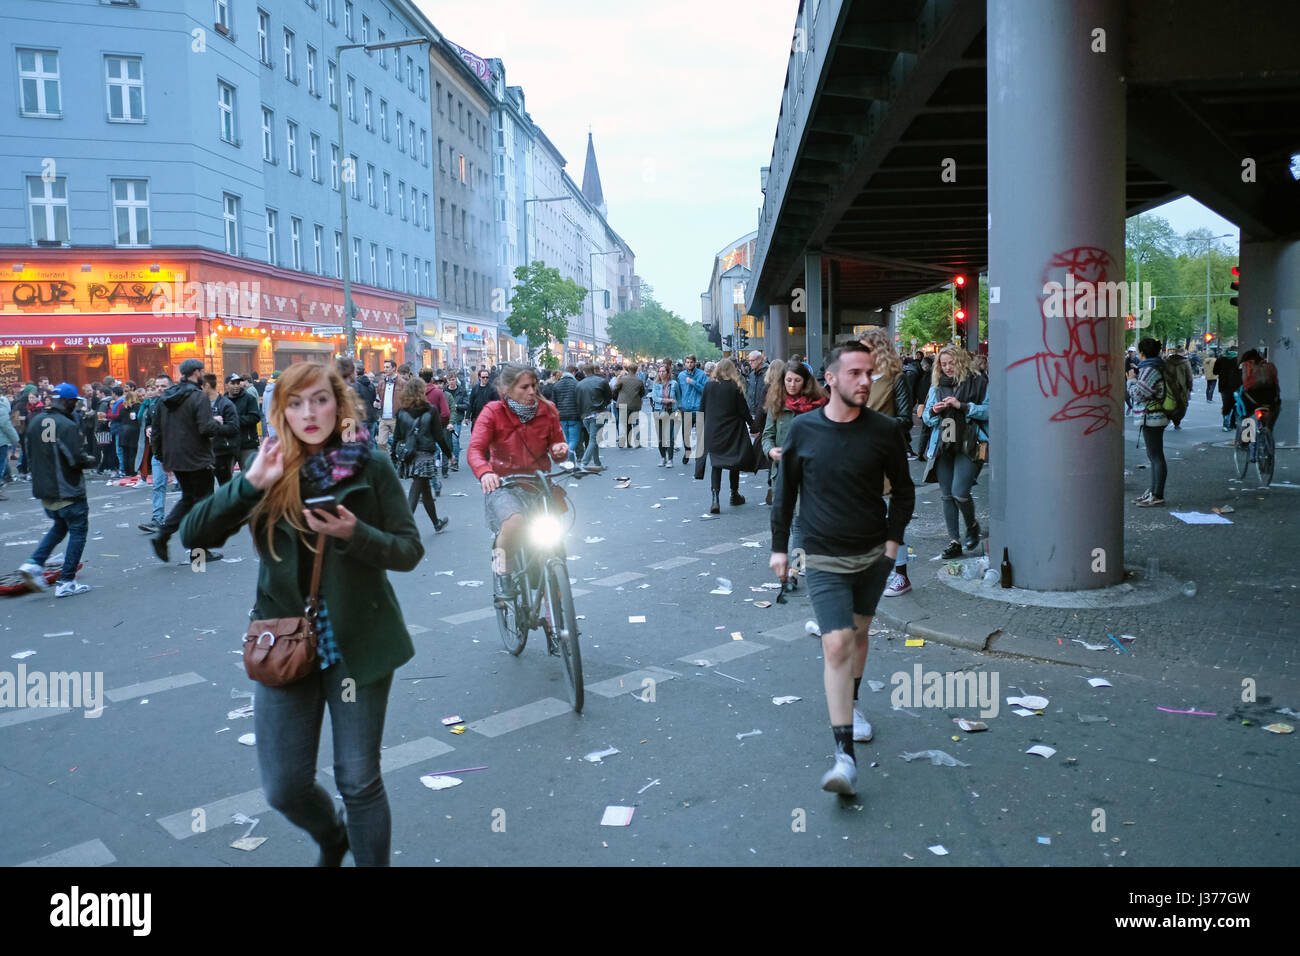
(421, 489)
(1155, 442)
(956, 474)
(733, 475)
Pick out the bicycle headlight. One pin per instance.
(546, 531)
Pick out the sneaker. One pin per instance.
(861, 728)
(455, 466)
(68, 588)
(1151, 503)
(843, 777)
(973, 537)
(150, 527)
(441, 524)
(213, 555)
(898, 585)
(159, 544)
(1145, 497)
(952, 551)
(33, 576)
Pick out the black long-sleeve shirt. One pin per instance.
(837, 472)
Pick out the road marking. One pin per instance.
(671, 563)
(787, 632)
(90, 853)
(466, 616)
(520, 717)
(22, 715)
(616, 579)
(724, 652)
(403, 755)
(721, 548)
(414, 629)
(132, 691)
(630, 683)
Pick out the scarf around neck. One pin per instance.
(334, 464)
(525, 412)
(802, 403)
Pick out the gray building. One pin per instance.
(722, 304)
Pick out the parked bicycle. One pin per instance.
(1253, 442)
(543, 596)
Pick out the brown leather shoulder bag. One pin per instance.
(282, 650)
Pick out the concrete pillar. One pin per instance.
(812, 284)
(1056, 116)
(1269, 318)
(778, 321)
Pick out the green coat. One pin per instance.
(774, 432)
(367, 620)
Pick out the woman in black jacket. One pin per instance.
(419, 427)
(727, 427)
(130, 434)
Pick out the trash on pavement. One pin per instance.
(1087, 646)
(724, 587)
(652, 783)
(785, 700)
(469, 584)
(440, 781)
(938, 850)
(61, 634)
(1041, 750)
(1022, 712)
(245, 711)
(970, 726)
(22, 655)
(1280, 729)
(448, 721)
(812, 628)
(729, 677)
(1225, 510)
(763, 604)
(752, 733)
(621, 485)
(1046, 841)
(1099, 682)
(248, 740)
(448, 573)
(937, 758)
(1091, 719)
(636, 619)
(617, 816)
(1199, 517)
(594, 540)
(701, 662)
(1287, 711)
(750, 544)
(915, 642)
(737, 636)
(596, 756)
(1028, 701)
(1195, 713)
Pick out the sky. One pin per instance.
(681, 99)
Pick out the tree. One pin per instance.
(543, 301)
(653, 331)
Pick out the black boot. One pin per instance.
(332, 855)
(737, 499)
(715, 508)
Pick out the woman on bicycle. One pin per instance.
(419, 426)
(1146, 386)
(515, 435)
(362, 637)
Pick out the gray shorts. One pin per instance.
(837, 597)
(504, 502)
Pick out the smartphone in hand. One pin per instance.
(325, 503)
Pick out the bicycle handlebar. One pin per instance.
(545, 476)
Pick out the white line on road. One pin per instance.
(724, 652)
(671, 563)
(466, 616)
(21, 716)
(132, 691)
(90, 853)
(403, 755)
(630, 683)
(786, 632)
(520, 717)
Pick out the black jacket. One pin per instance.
(250, 414)
(565, 396)
(56, 466)
(431, 436)
(479, 396)
(593, 395)
(183, 428)
(226, 440)
(366, 392)
(727, 424)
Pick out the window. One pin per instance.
(331, 80)
(351, 174)
(317, 242)
(461, 163)
(356, 257)
(291, 145)
(410, 128)
(288, 57)
(131, 211)
(410, 74)
(370, 183)
(455, 284)
(400, 147)
(415, 219)
(441, 165)
(272, 227)
(424, 210)
(406, 287)
(48, 201)
(442, 215)
(263, 37)
(365, 31)
(311, 70)
(338, 253)
(383, 60)
(314, 157)
(388, 268)
(268, 137)
(221, 15)
(388, 205)
(397, 64)
(295, 242)
(424, 146)
(334, 167)
(455, 222)
(38, 74)
(419, 84)
(226, 111)
(444, 277)
(460, 115)
(230, 213)
(427, 266)
(365, 109)
(401, 198)
(330, 16)
(347, 19)
(437, 96)
(383, 119)
(374, 264)
(352, 99)
(125, 89)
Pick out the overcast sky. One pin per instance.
(682, 101)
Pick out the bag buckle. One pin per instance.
(265, 634)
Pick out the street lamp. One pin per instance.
(349, 310)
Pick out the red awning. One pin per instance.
(59, 330)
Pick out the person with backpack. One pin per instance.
(1178, 372)
(1153, 403)
(418, 435)
(1259, 387)
(1228, 371)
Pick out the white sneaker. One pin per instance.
(861, 728)
(67, 588)
(843, 777)
(898, 585)
(33, 576)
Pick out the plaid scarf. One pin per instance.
(525, 412)
(328, 467)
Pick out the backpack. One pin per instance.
(1259, 379)
(1176, 395)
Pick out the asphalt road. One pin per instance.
(124, 788)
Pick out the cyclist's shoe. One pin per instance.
(505, 587)
(1152, 503)
(862, 733)
(843, 777)
(952, 551)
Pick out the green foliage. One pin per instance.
(542, 302)
(653, 331)
(928, 318)
(1175, 269)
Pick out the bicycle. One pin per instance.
(1253, 442)
(543, 596)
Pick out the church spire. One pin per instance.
(591, 179)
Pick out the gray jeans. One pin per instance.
(288, 726)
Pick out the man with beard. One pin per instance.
(832, 459)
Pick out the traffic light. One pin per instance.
(960, 317)
(1209, 337)
(726, 342)
(959, 281)
(607, 298)
(744, 338)
(1235, 285)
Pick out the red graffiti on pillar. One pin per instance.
(1075, 360)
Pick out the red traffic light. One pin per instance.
(959, 281)
(960, 315)
(1236, 271)
(1209, 336)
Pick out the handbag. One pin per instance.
(975, 449)
(282, 650)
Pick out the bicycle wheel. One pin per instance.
(1241, 453)
(564, 623)
(1264, 455)
(514, 635)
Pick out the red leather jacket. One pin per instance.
(504, 445)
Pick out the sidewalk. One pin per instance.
(1244, 617)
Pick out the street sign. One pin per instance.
(327, 330)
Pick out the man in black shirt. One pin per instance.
(834, 461)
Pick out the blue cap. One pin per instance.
(66, 390)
